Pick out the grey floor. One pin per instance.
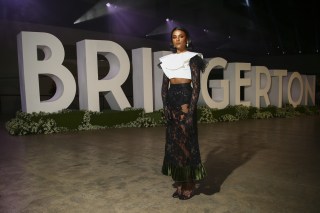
(252, 165)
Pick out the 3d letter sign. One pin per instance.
(262, 87)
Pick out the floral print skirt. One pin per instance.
(182, 159)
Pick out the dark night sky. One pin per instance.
(252, 27)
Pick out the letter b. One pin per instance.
(30, 68)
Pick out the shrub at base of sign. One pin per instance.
(78, 120)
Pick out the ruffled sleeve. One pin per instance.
(177, 65)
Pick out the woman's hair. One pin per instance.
(189, 47)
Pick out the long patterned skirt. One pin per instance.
(182, 159)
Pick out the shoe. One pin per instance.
(175, 194)
(184, 197)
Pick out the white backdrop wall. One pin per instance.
(10, 100)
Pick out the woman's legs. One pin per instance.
(178, 191)
(184, 190)
(180, 139)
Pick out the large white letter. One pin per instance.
(30, 68)
(233, 74)
(90, 85)
(293, 90)
(142, 79)
(220, 88)
(309, 91)
(275, 93)
(157, 79)
(261, 83)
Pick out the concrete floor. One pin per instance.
(252, 165)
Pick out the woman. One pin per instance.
(182, 159)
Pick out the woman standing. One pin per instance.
(182, 159)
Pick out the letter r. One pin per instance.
(110, 85)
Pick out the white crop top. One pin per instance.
(176, 65)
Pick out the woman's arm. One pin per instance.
(164, 94)
(196, 65)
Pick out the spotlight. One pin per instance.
(108, 4)
(167, 19)
(205, 30)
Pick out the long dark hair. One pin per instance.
(189, 42)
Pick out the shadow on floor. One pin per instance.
(223, 160)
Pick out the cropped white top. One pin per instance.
(177, 65)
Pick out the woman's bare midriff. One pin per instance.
(179, 81)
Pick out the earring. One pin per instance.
(187, 44)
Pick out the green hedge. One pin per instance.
(77, 120)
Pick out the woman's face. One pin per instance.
(179, 40)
